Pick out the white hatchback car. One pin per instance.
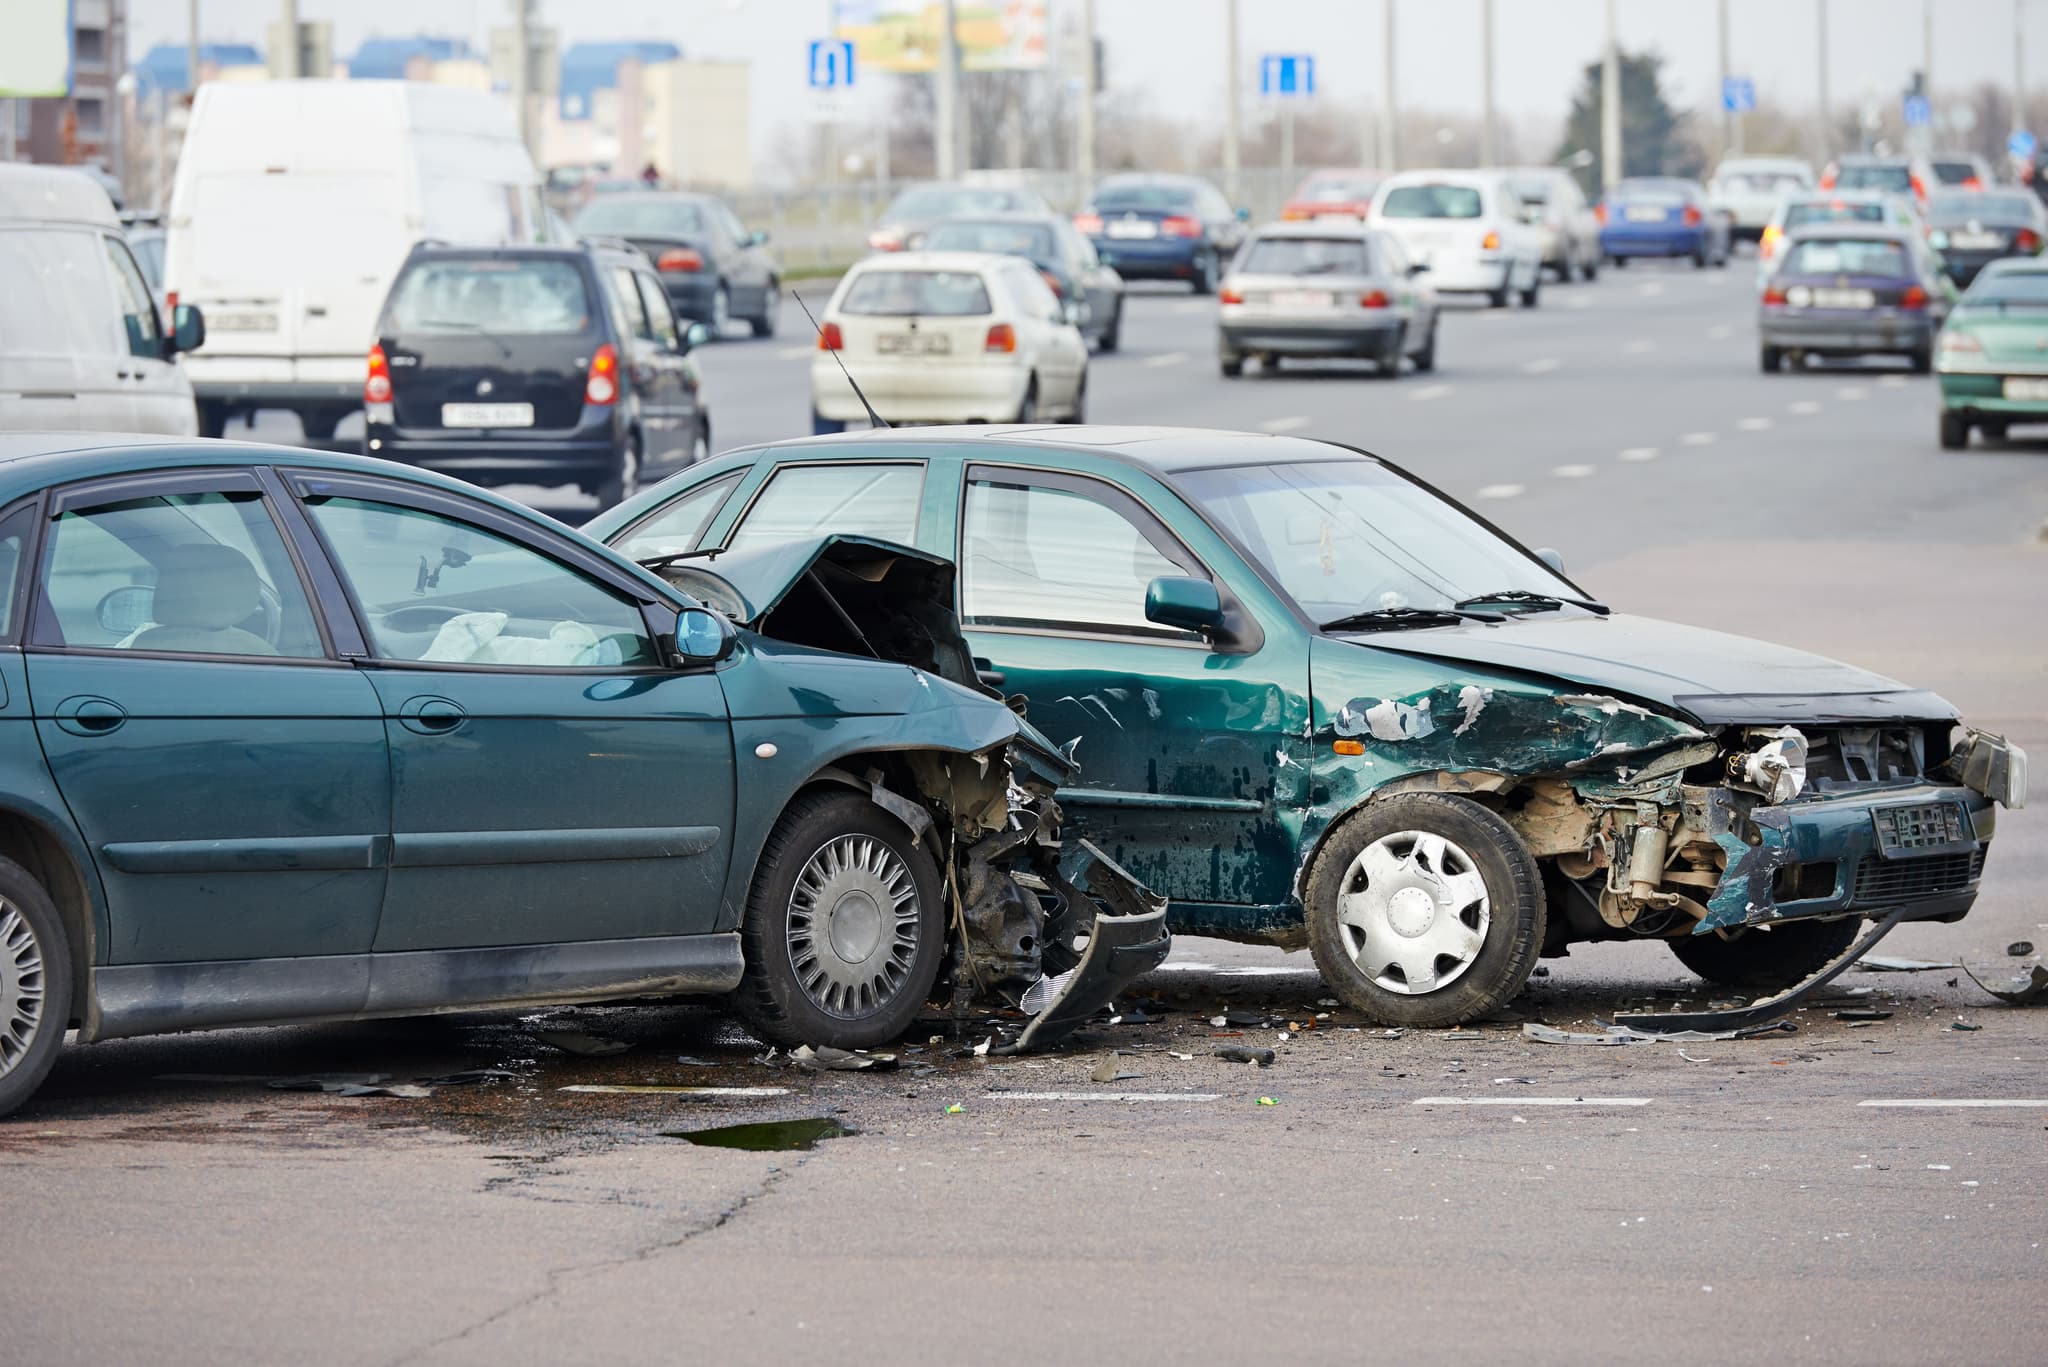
(947, 337)
(1468, 227)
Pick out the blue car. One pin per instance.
(1163, 228)
(1662, 216)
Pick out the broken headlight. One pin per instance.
(1776, 768)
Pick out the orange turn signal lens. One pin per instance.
(1348, 747)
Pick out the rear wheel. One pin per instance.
(1112, 336)
(1617, 261)
(319, 423)
(721, 313)
(1425, 359)
(35, 984)
(1080, 413)
(1699, 259)
(213, 418)
(1230, 366)
(1756, 959)
(625, 480)
(1498, 299)
(1204, 281)
(1027, 407)
(1955, 432)
(771, 306)
(1922, 361)
(1534, 292)
(1388, 361)
(1591, 270)
(1771, 359)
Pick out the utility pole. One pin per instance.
(1827, 129)
(1927, 55)
(1232, 100)
(1728, 118)
(1084, 118)
(1390, 142)
(947, 135)
(288, 21)
(1610, 106)
(522, 71)
(192, 48)
(2019, 67)
(1487, 151)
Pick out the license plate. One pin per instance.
(242, 322)
(1924, 828)
(1844, 299)
(1304, 301)
(1644, 213)
(486, 415)
(2030, 391)
(1975, 241)
(913, 343)
(1131, 227)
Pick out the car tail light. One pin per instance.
(1600, 213)
(1692, 216)
(1373, 299)
(886, 239)
(829, 338)
(679, 260)
(1827, 177)
(1088, 223)
(1294, 213)
(1952, 343)
(1774, 295)
(1180, 225)
(171, 301)
(2026, 240)
(1919, 188)
(1913, 298)
(377, 384)
(1001, 337)
(1490, 243)
(1231, 296)
(1052, 282)
(1972, 183)
(1768, 243)
(602, 386)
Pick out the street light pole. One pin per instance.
(1390, 142)
(1610, 107)
(1827, 128)
(947, 151)
(2019, 68)
(522, 64)
(288, 20)
(1728, 121)
(1232, 99)
(192, 48)
(1488, 153)
(1084, 129)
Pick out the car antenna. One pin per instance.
(873, 416)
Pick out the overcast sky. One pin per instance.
(1173, 49)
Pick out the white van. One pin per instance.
(82, 346)
(294, 204)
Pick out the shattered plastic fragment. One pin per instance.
(827, 1059)
(581, 1042)
(1875, 963)
(653, 1089)
(955, 1109)
(2019, 949)
(2031, 990)
(1244, 1053)
(1267, 1101)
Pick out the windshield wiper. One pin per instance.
(1542, 602)
(656, 562)
(1400, 619)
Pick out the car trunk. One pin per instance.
(2017, 337)
(928, 339)
(437, 376)
(1839, 293)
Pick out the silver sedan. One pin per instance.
(1325, 290)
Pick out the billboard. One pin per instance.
(35, 59)
(904, 35)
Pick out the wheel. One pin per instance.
(1721, 262)
(624, 482)
(1591, 270)
(721, 313)
(1756, 959)
(1230, 366)
(1922, 361)
(1535, 290)
(1498, 299)
(1955, 433)
(35, 984)
(1204, 281)
(823, 427)
(1080, 413)
(1771, 359)
(1425, 909)
(1617, 261)
(1027, 407)
(1112, 336)
(1388, 362)
(844, 928)
(771, 307)
(1425, 359)
(700, 445)
(213, 418)
(1699, 259)
(319, 423)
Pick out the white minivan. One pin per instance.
(1469, 228)
(293, 206)
(82, 346)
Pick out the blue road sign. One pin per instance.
(2021, 145)
(1919, 113)
(1287, 75)
(1738, 94)
(831, 64)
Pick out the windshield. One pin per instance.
(1951, 210)
(631, 214)
(1431, 201)
(492, 296)
(1762, 182)
(949, 201)
(1305, 256)
(944, 294)
(1955, 172)
(1843, 256)
(2009, 287)
(1346, 536)
(1834, 211)
(1033, 241)
(1170, 198)
(1874, 178)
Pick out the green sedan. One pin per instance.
(1992, 357)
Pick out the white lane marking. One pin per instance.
(1639, 346)
(1193, 306)
(1430, 391)
(1697, 439)
(1650, 288)
(1185, 967)
(1754, 424)
(793, 353)
(1719, 331)
(1264, 972)
(1166, 358)
(623, 1089)
(2019, 1103)
(1532, 1101)
(1498, 491)
(1892, 382)
(1103, 1096)
(1542, 365)
(1805, 408)
(1849, 393)
(1583, 301)
(1638, 453)
(1283, 424)
(1572, 471)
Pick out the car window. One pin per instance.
(1306, 256)
(1431, 201)
(1847, 257)
(675, 527)
(138, 307)
(660, 317)
(149, 254)
(932, 294)
(1115, 198)
(633, 313)
(437, 590)
(1833, 211)
(193, 573)
(731, 222)
(1078, 248)
(491, 295)
(1954, 172)
(948, 201)
(1874, 178)
(1392, 253)
(58, 298)
(861, 500)
(1949, 210)
(1030, 240)
(1037, 556)
(630, 215)
(2009, 287)
(14, 534)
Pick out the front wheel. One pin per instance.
(1426, 910)
(35, 984)
(1112, 336)
(1425, 359)
(1766, 959)
(844, 929)
(1771, 359)
(625, 479)
(771, 307)
(1955, 433)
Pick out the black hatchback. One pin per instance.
(535, 365)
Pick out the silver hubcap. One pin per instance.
(1413, 912)
(853, 926)
(21, 987)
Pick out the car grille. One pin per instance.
(1924, 826)
(1887, 882)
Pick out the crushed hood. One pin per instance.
(1716, 678)
(748, 585)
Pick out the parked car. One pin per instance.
(1555, 206)
(915, 209)
(535, 365)
(1092, 293)
(1318, 704)
(293, 206)
(1468, 229)
(714, 267)
(1662, 216)
(1911, 177)
(1850, 290)
(1325, 289)
(82, 344)
(309, 737)
(1158, 227)
(1991, 356)
(1958, 171)
(1830, 206)
(946, 337)
(1332, 194)
(1749, 190)
(1973, 228)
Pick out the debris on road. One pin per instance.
(657, 1089)
(1244, 1053)
(826, 1059)
(1878, 964)
(2029, 990)
(1863, 1013)
(349, 1084)
(1267, 1101)
(1624, 1034)
(2019, 949)
(1107, 1071)
(581, 1042)
(1963, 1025)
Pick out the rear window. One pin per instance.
(1833, 212)
(1762, 182)
(1954, 172)
(2009, 287)
(1875, 178)
(628, 215)
(950, 201)
(1532, 190)
(1663, 196)
(1431, 201)
(1306, 256)
(1338, 190)
(1171, 198)
(930, 294)
(1950, 210)
(498, 297)
(1031, 240)
(1848, 257)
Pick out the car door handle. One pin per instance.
(88, 716)
(431, 716)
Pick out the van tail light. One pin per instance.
(679, 261)
(1774, 296)
(1180, 225)
(377, 384)
(1001, 337)
(1295, 213)
(602, 385)
(1090, 224)
(171, 301)
(1919, 188)
(1373, 299)
(886, 240)
(1914, 298)
(1827, 177)
(2026, 240)
(1693, 216)
(1230, 296)
(1052, 282)
(1972, 183)
(1490, 243)
(829, 338)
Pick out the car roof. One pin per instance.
(1872, 159)
(1157, 450)
(1035, 218)
(53, 194)
(932, 261)
(1444, 175)
(1328, 226)
(1151, 178)
(1889, 232)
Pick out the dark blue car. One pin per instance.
(1661, 216)
(1163, 228)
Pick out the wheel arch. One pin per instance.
(1485, 787)
(33, 842)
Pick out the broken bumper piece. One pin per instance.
(1128, 940)
(1764, 1009)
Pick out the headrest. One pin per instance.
(206, 585)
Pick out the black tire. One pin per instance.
(1514, 893)
(1231, 367)
(1204, 281)
(1498, 299)
(1955, 433)
(1425, 359)
(1771, 359)
(1617, 261)
(1922, 361)
(1721, 262)
(1699, 259)
(213, 418)
(772, 996)
(771, 308)
(624, 480)
(1534, 292)
(1080, 413)
(1766, 960)
(1112, 336)
(1387, 364)
(1591, 270)
(721, 308)
(1027, 407)
(37, 960)
(319, 423)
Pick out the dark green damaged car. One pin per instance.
(1316, 703)
(1991, 359)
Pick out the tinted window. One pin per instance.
(494, 297)
(58, 299)
(1833, 212)
(676, 527)
(2009, 287)
(1431, 201)
(1531, 189)
(1306, 256)
(1138, 195)
(633, 320)
(660, 317)
(1032, 240)
(1948, 210)
(13, 544)
(138, 306)
(861, 500)
(1954, 172)
(1338, 189)
(1037, 556)
(1762, 182)
(628, 215)
(893, 293)
(149, 254)
(1875, 178)
(1847, 257)
(950, 201)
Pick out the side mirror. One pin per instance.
(1244, 213)
(758, 238)
(694, 336)
(1551, 558)
(1417, 267)
(1175, 600)
(188, 328)
(702, 636)
(127, 609)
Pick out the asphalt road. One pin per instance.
(1431, 1196)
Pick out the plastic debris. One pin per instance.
(1267, 1101)
(1107, 1071)
(1963, 1025)
(349, 1084)
(659, 1089)
(1245, 1053)
(1872, 963)
(1462, 1034)
(1863, 1013)
(1622, 1034)
(2028, 990)
(2019, 949)
(581, 1042)
(955, 1109)
(826, 1059)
